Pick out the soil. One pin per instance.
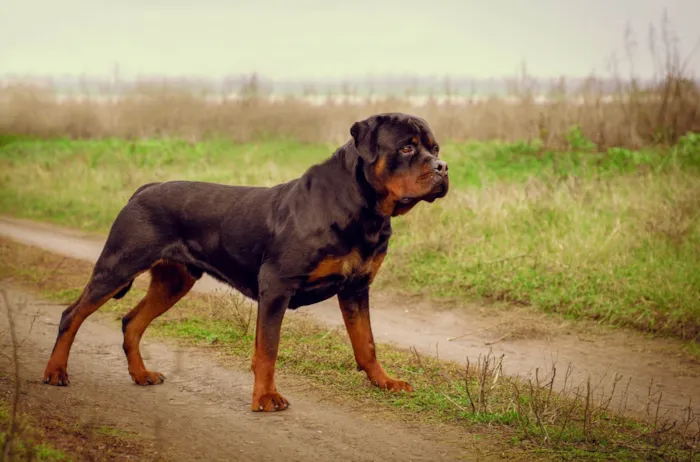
(202, 411)
(528, 340)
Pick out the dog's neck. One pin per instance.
(352, 163)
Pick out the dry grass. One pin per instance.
(631, 117)
(610, 236)
(34, 431)
(614, 247)
(631, 114)
(530, 416)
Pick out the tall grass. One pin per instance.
(631, 113)
(631, 117)
(612, 236)
(517, 418)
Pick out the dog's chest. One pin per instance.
(349, 266)
(357, 254)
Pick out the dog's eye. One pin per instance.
(436, 149)
(408, 149)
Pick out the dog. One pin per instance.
(321, 235)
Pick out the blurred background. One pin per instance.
(623, 70)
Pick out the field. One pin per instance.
(586, 211)
(491, 415)
(609, 236)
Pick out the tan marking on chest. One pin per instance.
(348, 265)
(375, 264)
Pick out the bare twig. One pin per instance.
(467, 385)
(475, 331)
(51, 273)
(499, 339)
(587, 412)
(7, 449)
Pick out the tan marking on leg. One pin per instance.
(357, 323)
(56, 372)
(169, 283)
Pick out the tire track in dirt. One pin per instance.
(527, 339)
(202, 412)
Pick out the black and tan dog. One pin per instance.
(294, 244)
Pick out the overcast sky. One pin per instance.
(330, 39)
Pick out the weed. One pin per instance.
(574, 420)
(608, 236)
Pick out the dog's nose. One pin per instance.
(441, 167)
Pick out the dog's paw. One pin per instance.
(56, 375)
(146, 377)
(269, 402)
(393, 385)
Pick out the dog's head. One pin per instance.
(401, 161)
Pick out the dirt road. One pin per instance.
(528, 340)
(203, 412)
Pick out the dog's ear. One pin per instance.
(363, 133)
(359, 130)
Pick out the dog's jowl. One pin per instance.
(321, 235)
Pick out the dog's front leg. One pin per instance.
(355, 308)
(272, 303)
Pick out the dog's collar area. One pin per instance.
(369, 192)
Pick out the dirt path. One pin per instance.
(527, 339)
(202, 412)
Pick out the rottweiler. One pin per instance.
(321, 235)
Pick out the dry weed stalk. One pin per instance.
(232, 308)
(550, 416)
(9, 443)
(13, 437)
(485, 374)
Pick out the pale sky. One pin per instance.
(284, 39)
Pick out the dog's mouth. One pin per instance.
(438, 191)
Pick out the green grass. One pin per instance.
(516, 416)
(47, 436)
(24, 445)
(31, 451)
(610, 236)
(115, 432)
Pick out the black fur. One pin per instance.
(123, 291)
(290, 245)
(233, 232)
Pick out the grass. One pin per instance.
(115, 432)
(37, 428)
(623, 112)
(27, 444)
(616, 243)
(520, 417)
(44, 435)
(611, 236)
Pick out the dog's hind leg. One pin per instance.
(169, 283)
(94, 295)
